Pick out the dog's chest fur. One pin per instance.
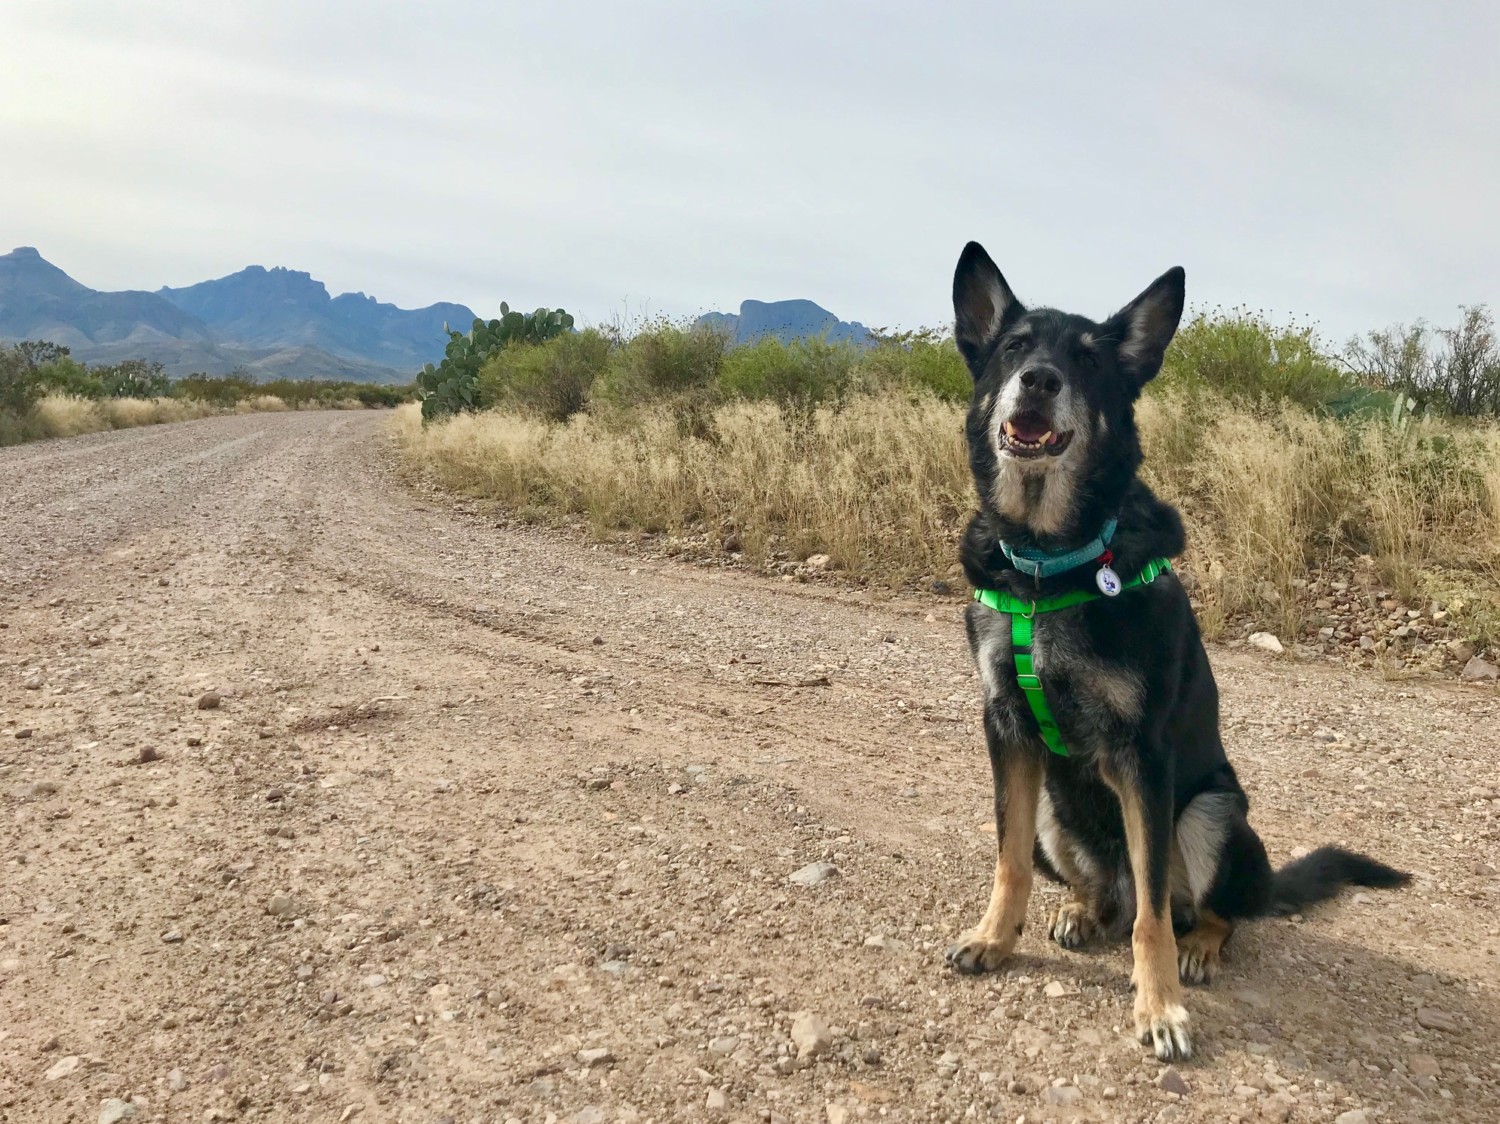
(1094, 701)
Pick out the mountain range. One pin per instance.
(785, 321)
(273, 323)
(282, 323)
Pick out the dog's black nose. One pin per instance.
(1042, 380)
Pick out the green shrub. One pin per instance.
(451, 387)
(551, 380)
(1244, 356)
(133, 378)
(665, 360)
(804, 372)
(223, 390)
(20, 388)
(922, 360)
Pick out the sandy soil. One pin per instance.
(493, 824)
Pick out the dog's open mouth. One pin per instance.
(1028, 434)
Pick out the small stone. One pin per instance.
(217, 1072)
(171, 936)
(1434, 1019)
(813, 874)
(280, 905)
(1062, 1095)
(817, 563)
(63, 1067)
(717, 1101)
(24, 734)
(194, 743)
(724, 1044)
(1171, 1081)
(1479, 671)
(588, 1114)
(275, 796)
(1054, 990)
(1424, 1065)
(1353, 1116)
(115, 1110)
(1266, 642)
(209, 700)
(810, 1034)
(33, 683)
(836, 1114)
(373, 980)
(147, 755)
(1278, 1107)
(177, 1081)
(599, 1055)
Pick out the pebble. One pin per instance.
(1171, 1081)
(1054, 990)
(280, 906)
(1278, 1107)
(373, 980)
(23, 734)
(147, 755)
(1424, 1065)
(724, 1044)
(717, 1101)
(275, 796)
(1266, 642)
(1479, 671)
(177, 1081)
(1062, 1095)
(114, 1110)
(1434, 1019)
(32, 683)
(209, 700)
(599, 1055)
(171, 936)
(1353, 1116)
(589, 1114)
(813, 874)
(63, 1067)
(810, 1034)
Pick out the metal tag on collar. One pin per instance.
(1106, 579)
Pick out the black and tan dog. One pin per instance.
(1101, 714)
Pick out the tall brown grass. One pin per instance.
(66, 415)
(881, 485)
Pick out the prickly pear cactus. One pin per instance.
(448, 388)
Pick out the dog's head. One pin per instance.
(1051, 428)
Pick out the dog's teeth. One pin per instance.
(1047, 438)
(1010, 429)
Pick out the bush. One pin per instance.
(550, 380)
(452, 386)
(20, 387)
(1243, 356)
(921, 360)
(801, 373)
(664, 360)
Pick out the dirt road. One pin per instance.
(491, 824)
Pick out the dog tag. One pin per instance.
(1108, 581)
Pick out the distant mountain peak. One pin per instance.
(786, 321)
(278, 320)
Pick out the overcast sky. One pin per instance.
(615, 158)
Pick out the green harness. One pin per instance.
(1021, 611)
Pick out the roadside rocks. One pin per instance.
(210, 700)
(810, 1035)
(1479, 671)
(813, 874)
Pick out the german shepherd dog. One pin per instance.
(1143, 819)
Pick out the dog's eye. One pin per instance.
(1088, 359)
(1016, 343)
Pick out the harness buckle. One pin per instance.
(1029, 682)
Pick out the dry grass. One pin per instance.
(882, 485)
(63, 415)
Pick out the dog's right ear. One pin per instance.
(982, 302)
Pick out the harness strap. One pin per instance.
(1022, 613)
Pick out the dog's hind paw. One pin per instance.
(973, 953)
(1072, 925)
(1166, 1032)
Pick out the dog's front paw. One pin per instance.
(975, 953)
(1072, 925)
(1164, 1027)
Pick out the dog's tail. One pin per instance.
(1318, 876)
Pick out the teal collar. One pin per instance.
(1041, 564)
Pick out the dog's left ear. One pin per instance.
(1147, 324)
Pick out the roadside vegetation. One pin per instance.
(1328, 490)
(45, 392)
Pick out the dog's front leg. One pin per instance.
(1018, 783)
(1160, 1018)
